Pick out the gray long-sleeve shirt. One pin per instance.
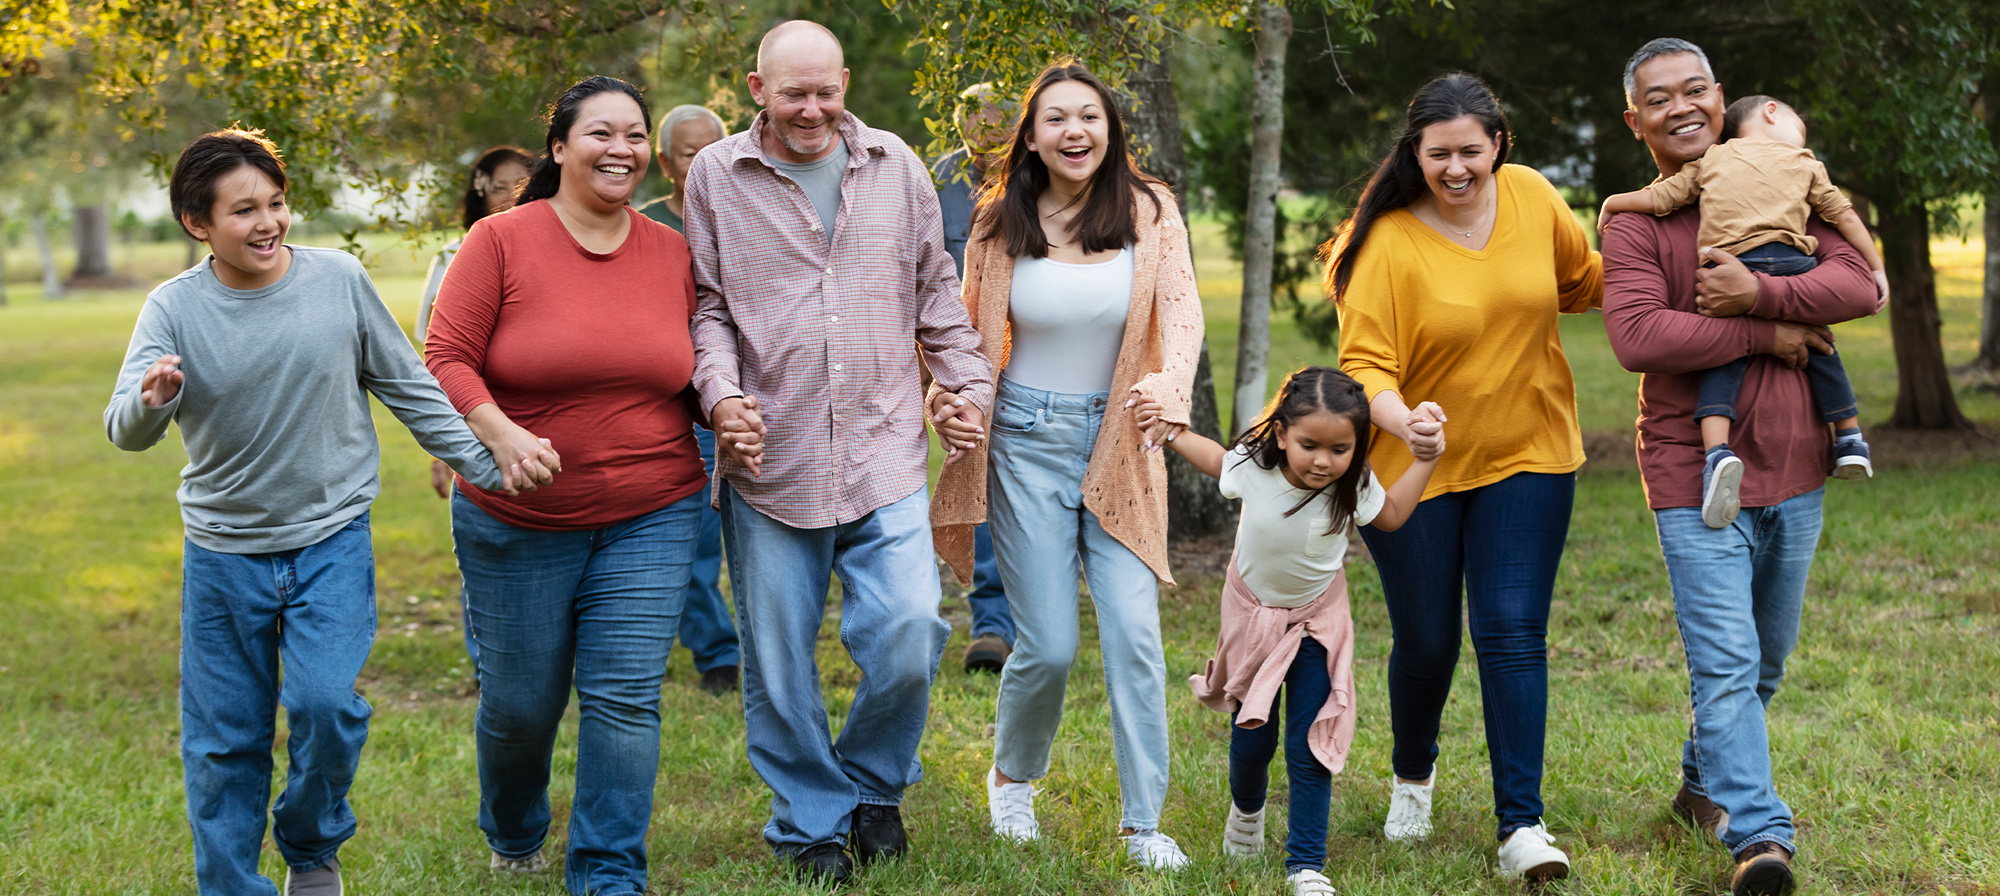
(274, 409)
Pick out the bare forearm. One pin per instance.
(1403, 497)
(1856, 233)
(1637, 201)
(1389, 414)
(1205, 453)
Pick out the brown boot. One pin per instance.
(988, 653)
(1762, 869)
(1698, 810)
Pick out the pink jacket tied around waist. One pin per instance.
(1255, 649)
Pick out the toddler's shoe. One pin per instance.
(1721, 484)
(1409, 810)
(1850, 459)
(1309, 882)
(1530, 852)
(1243, 833)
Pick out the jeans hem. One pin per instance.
(880, 801)
(1755, 839)
(1716, 410)
(1835, 416)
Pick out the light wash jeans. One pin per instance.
(888, 623)
(591, 607)
(1044, 539)
(1738, 592)
(242, 615)
(706, 629)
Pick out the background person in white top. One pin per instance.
(1302, 474)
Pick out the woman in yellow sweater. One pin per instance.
(1449, 278)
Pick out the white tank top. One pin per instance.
(1068, 320)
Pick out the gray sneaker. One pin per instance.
(321, 881)
(534, 864)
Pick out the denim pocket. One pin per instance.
(1015, 418)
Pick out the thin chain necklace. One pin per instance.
(1475, 228)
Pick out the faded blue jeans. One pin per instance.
(706, 629)
(1738, 593)
(1045, 541)
(591, 607)
(311, 610)
(888, 623)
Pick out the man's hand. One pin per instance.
(958, 423)
(739, 428)
(1727, 289)
(1793, 341)
(441, 478)
(1426, 428)
(162, 381)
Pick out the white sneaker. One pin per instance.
(1528, 853)
(1307, 882)
(1409, 810)
(534, 864)
(1243, 833)
(1012, 808)
(1152, 849)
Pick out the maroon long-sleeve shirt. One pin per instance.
(1649, 313)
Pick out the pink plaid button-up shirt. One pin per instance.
(820, 331)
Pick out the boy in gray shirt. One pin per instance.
(265, 355)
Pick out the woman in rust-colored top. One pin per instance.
(568, 316)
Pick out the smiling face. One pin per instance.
(1457, 158)
(604, 156)
(688, 140)
(246, 230)
(1070, 133)
(1676, 108)
(1318, 447)
(803, 88)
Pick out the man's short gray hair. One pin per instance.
(679, 115)
(1654, 49)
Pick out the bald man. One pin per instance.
(818, 259)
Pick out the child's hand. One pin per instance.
(1425, 425)
(162, 381)
(958, 423)
(1881, 291)
(1149, 414)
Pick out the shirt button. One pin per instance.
(833, 318)
(836, 365)
(829, 272)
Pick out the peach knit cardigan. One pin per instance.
(1125, 487)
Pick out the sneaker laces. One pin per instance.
(1014, 810)
(1410, 807)
(1155, 850)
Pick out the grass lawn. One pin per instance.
(1886, 736)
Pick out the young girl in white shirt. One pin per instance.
(1302, 475)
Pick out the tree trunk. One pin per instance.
(92, 231)
(1267, 116)
(1194, 507)
(1989, 318)
(1924, 398)
(52, 287)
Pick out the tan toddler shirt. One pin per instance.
(1753, 192)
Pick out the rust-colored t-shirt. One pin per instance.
(588, 351)
(1753, 192)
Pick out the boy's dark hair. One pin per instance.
(191, 191)
(1304, 393)
(1732, 117)
(475, 205)
(1007, 205)
(1399, 179)
(545, 178)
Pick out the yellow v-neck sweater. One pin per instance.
(1476, 333)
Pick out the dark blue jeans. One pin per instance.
(988, 599)
(1825, 375)
(1501, 544)
(310, 610)
(706, 629)
(1251, 750)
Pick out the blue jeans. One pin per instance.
(1832, 394)
(1501, 543)
(310, 610)
(595, 608)
(1045, 540)
(988, 598)
(706, 629)
(1738, 592)
(1305, 693)
(888, 623)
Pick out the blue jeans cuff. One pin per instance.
(1766, 838)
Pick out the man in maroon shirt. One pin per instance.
(1738, 591)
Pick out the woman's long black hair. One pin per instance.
(1306, 392)
(546, 177)
(1007, 206)
(1399, 180)
(475, 205)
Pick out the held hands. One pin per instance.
(1723, 287)
(1425, 428)
(162, 381)
(1147, 413)
(739, 429)
(526, 462)
(958, 423)
(1792, 342)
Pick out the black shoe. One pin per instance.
(823, 863)
(987, 653)
(878, 833)
(719, 680)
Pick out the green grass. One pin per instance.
(1886, 736)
